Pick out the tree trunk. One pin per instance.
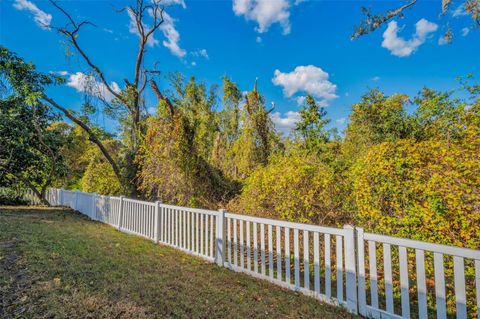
(40, 195)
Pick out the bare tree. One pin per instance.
(128, 100)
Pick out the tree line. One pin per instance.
(394, 171)
(412, 174)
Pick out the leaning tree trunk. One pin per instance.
(40, 194)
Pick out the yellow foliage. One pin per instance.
(426, 190)
(99, 176)
(295, 187)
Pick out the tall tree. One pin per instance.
(257, 137)
(311, 126)
(30, 147)
(377, 118)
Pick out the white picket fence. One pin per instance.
(327, 263)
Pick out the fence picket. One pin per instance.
(316, 263)
(328, 267)
(287, 256)
(421, 285)
(440, 286)
(242, 252)
(211, 235)
(201, 230)
(306, 262)
(235, 243)
(459, 279)
(339, 265)
(372, 262)
(197, 230)
(262, 246)
(279, 252)
(229, 241)
(387, 262)
(405, 298)
(249, 262)
(296, 255)
(255, 248)
(270, 252)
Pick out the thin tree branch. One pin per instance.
(72, 38)
(373, 22)
(92, 137)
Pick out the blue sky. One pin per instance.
(293, 47)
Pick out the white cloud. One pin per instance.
(204, 53)
(172, 35)
(133, 29)
(41, 18)
(82, 82)
(306, 79)
(201, 53)
(264, 13)
(152, 110)
(400, 47)
(62, 73)
(442, 41)
(459, 11)
(194, 63)
(168, 29)
(258, 39)
(376, 78)
(465, 32)
(300, 100)
(174, 2)
(285, 123)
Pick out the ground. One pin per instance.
(55, 263)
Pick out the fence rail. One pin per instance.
(374, 275)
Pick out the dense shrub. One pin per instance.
(295, 187)
(99, 176)
(427, 191)
(10, 197)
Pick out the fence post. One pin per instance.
(120, 214)
(94, 206)
(350, 269)
(157, 221)
(61, 197)
(76, 200)
(220, 238)
(362, 300)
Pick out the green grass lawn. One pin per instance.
(55, 263)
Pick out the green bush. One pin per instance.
(426, 191)
(9, 197)
(295, 187)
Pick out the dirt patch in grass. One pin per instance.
(57, 263)
(14, 280)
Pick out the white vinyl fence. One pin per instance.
(374, 275)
